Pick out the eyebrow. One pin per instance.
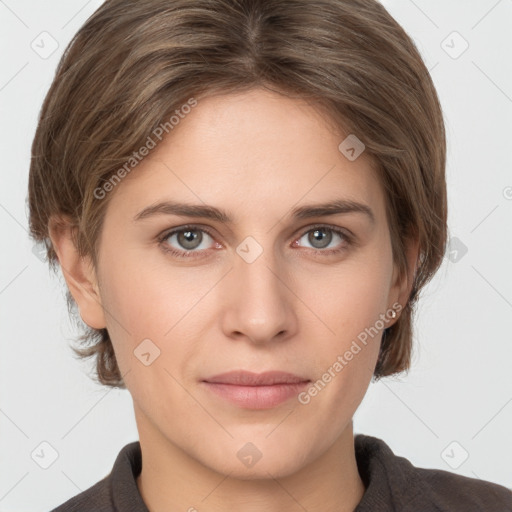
(338, 206)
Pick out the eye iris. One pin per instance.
(189, 238)
(318, 235)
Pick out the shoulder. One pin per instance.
(402, 486)
(97, 498)
(116, 491)
(454, 490)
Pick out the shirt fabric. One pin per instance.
(391, 483)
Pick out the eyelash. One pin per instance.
(348, 240)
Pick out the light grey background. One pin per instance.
(457, 399)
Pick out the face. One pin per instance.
(273, 285)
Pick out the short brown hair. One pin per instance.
(134, 62)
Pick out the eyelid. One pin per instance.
(336, 229)
(198, 227)
(343, 232)
(302, 231)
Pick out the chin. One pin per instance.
(256, 460)
(262, 470)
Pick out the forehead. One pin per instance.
(251, 151)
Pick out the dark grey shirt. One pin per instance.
(392, 484)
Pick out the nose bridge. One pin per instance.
(260, 305)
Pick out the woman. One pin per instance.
(246, 198)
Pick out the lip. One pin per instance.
(256, 390)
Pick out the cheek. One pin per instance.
(350, 296)
(132, 297)
(351, 302)
(146, 301)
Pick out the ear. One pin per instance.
(78, 272)
(402, 284)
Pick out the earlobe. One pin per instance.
(78, 272)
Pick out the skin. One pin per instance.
(295, 308)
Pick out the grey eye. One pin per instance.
(188, 239)
(321, 237)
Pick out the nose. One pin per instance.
(259, 306)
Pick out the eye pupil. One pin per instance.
(318, 235)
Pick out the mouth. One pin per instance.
(256, 390)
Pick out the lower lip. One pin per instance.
(256, 397)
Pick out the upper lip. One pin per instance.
(244, 378)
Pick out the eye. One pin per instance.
(186, 241)
(194, 242)
(321, 238)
